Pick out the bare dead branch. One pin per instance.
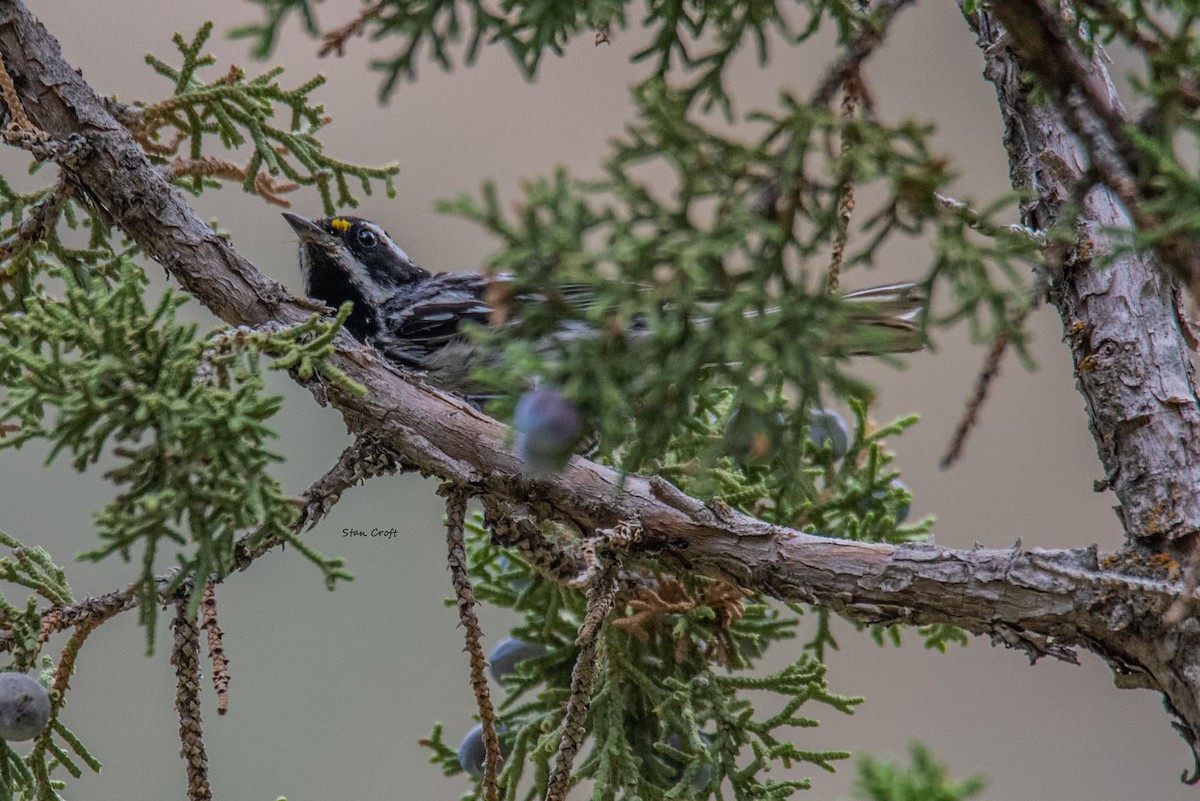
(851, 93)
(366, 458)
(983, 383)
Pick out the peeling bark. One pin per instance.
(1120, 309)
(1121, 318)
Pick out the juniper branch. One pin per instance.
(1083, 93)
(456, 514)
(866, 41)
(216, 646)
(1070, 596)
(602, 589)
(185, 656)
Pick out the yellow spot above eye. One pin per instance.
(340, 224)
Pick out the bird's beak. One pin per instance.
(306, 229)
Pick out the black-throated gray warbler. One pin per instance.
(413, 316)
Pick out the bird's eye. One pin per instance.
(367, 238)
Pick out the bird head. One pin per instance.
(351, 259)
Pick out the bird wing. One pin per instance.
(432, 312)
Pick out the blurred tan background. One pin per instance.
(331, 692)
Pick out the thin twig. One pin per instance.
(869, 37)
(983, 383)
(456, 518)
(42, 216)
(1134, 31)
(88, 612)
(335, 40)
(851, 92)
(367, 457)
(1130, 28)
(975, 221)
(270, 188)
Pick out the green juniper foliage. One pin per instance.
(715, 276)
(924, 780)
(744, 226)
(97, 372)
(670, 706)
(56, 748)
(31, 568)
(701, 38)
(237, 111)
(20, 272)
(669, 715)
(723, 266)
(90, 365)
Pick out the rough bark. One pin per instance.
(1120, 309)
(1040, 601)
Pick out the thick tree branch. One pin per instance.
(1039, 601)
(1048, 48)
(1120, 310)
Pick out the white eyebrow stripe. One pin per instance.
(383, 237)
